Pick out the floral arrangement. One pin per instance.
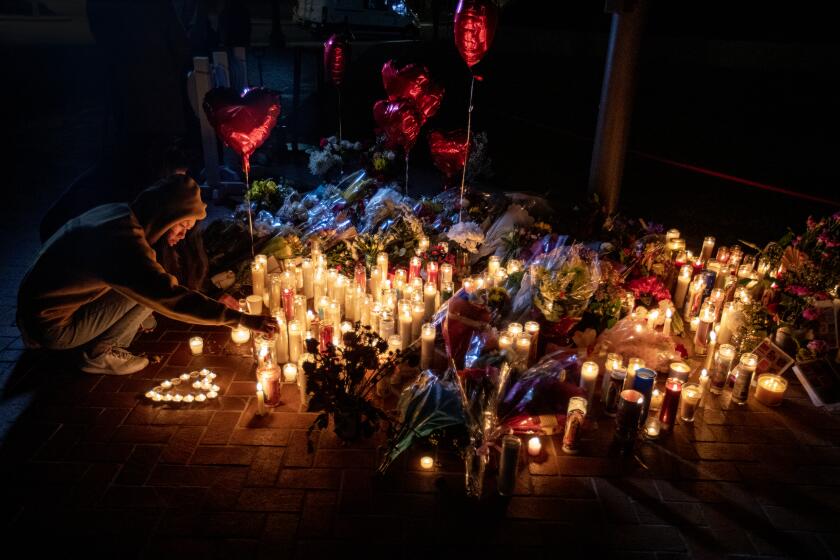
(565, 281)
(340, 382)
(331, 154)
(268, 194)
(649, 291)
(438, 253)
(467, 235)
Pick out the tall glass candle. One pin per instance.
(683, 280)
(706, 251)
(575, 415)
(414, 266)
(360, 276)
(382, 264)
(430, 300)
(422, 245)
(614, 386)
(418, 311)
(589, 378)
(701, 337)
(386, 325)
(257, 278)
(281, 340)
(295, 341)
(743, 377)
(628, 413)
(508, 462)
(432, 272)
(690, 400)
(710, 350)
(694, 298)
(445, 273)
(522, 344)
(274, 293)
(427, 346)
(405, 329)
(532, 328)
(269, 379)
(493, 264)
(666, 327)
(632, 365)
(671, 402)
(721, 366)
(319, 284)
(643, 383)
(308, 278)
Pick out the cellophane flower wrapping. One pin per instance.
(564, 281)
(630, 337)
(466, 314)
(514, 217)
(467, 235)
(536, 401)
(429, 404)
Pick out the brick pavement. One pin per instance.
(106, 470)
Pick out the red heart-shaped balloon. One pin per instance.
(336, 56)
(399, 121)
(475, 26)
(449, 151)
(243, 122)
(412, 82)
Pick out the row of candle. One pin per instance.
(520, 343)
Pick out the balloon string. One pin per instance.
(248, 204)
(339, 115)
(466, 152)
(406, 173)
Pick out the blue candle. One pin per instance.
(643, 383)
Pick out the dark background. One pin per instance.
(740, 88)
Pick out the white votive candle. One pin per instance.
(240, 334)
(196, 345)
(534, 446)
(589, 378)
(290, 372)
(427, 462)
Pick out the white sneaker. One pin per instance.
(116, 361)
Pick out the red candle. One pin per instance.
(289, 303)
(671, 402)
(360, 276)
(325, 337)
(414, 266)
(432, 272)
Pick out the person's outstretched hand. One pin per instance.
(260, 323)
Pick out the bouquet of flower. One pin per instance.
(340, 382)
(268, 194)
(564, 281)
(467, 315)
(467, 235)
(649, 291)
(331, 154)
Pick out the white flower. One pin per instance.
(466, 234)
(320, 162)
(357, 146)
(390, 155)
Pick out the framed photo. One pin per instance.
(827, 322)
(821, 380)
(771, 358)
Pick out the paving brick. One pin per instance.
(223, 492)
(213, 524)
(261, 436)
(297, 452)
(112, 400)
(182, 445)
(320, 479)
(281, 526)
(652, 538)
(228, 455)
(270, 499)
(180, 417)
(265, 467)
(131, 497)
(791, 544)
(318, 512)
(220, 428)
(345, 458)
(61, 443)
(142, 414)
(140, 464)
(143, 434)
(101, 452)
(106, 425)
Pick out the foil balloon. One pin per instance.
(336, 56)
(449, 151)
(412, 82)
(399, 121)
(475, 26)
(243, 122)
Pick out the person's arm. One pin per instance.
(133, 271)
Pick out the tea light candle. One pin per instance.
(290, 372)
(588, 378)
(534, 446)
(260, 400)
(652, 427)
(770, 389)
(240, 334)
(196, 345)
(666, 328)
(426, 462)
(427, 346)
